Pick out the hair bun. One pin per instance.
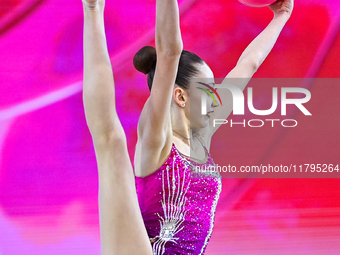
(145, 59)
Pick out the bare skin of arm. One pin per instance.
(154, 127)
(252, 58)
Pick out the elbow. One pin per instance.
(170, 57)
(254, 66)
(172, 52)
(251, 62)
(169, 49)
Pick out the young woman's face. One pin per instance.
(199, 91)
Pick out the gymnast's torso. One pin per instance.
(178, 204)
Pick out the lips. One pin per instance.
(208, 114)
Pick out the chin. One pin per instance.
(204, 122)
(200, 123)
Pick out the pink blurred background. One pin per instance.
(48, 177)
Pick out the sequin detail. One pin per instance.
(173, 204)
(178, 205)
(195, 173)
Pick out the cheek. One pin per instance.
(195, 99)
(195, 107)
(194, 104)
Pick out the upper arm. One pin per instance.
(155, 117)
(239, 76)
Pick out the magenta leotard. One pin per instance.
(178, 204)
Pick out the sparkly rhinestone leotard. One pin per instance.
(178, 204)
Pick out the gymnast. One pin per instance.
(162, 206)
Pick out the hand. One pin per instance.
(282, 6)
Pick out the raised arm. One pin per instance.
(155, 117)
(253, 56)
(257, 51)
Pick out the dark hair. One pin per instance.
(145, 62)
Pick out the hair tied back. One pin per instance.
(145, 59)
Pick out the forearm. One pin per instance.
(98, 91)
(168, 34)
(260, 47)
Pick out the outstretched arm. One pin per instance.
(257, 51)
(253, 56)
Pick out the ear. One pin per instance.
(180, 95)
